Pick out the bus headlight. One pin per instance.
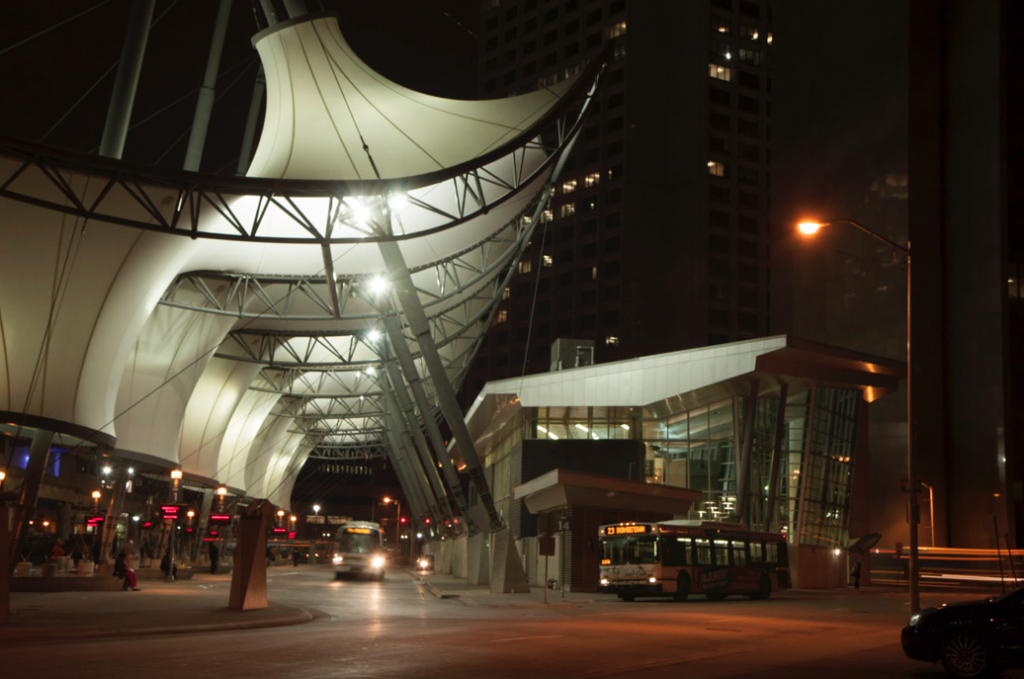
(377, 562)
(604, 581)
(338, 558)
(652, 580)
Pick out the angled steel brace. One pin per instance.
(402, 283)
(397, 436)
(429, 466)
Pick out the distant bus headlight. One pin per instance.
(338, 558)
(604, 581)
(652, 580)
(377, 562)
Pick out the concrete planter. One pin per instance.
(23, 569)
(86, 568)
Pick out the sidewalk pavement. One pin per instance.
(459, 589)
(185, 607)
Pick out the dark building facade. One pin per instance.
(909, 130)
(656, 238)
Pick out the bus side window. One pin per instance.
(721, 552)
(739, 553)
(756, 552)
(676, 551)
(783, 554)
(771, 553)
(703, 552)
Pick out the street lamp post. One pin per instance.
(913, 509)
(398, 522)
(175, 479)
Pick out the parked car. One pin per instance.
(970, 638)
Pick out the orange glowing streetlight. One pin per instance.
(810, 227)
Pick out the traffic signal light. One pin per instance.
(403, 520)
(427, 520)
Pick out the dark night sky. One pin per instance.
(409, 41)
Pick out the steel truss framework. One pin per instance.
(327, 380)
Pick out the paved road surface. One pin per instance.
(396, 629)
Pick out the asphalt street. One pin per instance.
(398, 629)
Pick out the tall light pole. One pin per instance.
(398, 522)
(175, 480)
(913, 509)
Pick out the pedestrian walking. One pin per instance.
(214, 558)
(295, 556)
(855, 573)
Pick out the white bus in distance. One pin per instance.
(359, 551)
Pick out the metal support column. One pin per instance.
(115, 131)
(295, 8)
(776, 463)
(204, 107)
(270, 12)
(412, 424)
(743, 472)
(412, 376)
(204, 521)
(413, 493)
(259, 88)
(414, 471)
(409, 299)
(32, 483)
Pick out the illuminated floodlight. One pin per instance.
(581, 427)
(176, 474)
(625, 426)
(809, 227)
(551, 435)
(95, 495)
(373, 335)
(106, 471)
(378, 285)
(398, 202)
(135, 518)
(222, 491)
(371, 371)
(359, 212)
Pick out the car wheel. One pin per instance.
(764, 588)
(715, 596)
(964, 654)
(627, 597)
(682, 592)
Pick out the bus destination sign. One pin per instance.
(628, 530)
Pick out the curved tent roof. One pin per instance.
(323, 101)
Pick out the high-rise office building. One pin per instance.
(656, 237)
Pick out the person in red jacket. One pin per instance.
(121, 570)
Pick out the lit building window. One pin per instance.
(769, 40)
(720, 25)
(716, 169)
(611, 341)
(720, 72)
(547, 261)
(502, 316)
(722, 49)
(620, 51)
(506, 293)
(748, 32)
(593, 273)
(617, 29)
(546, 216)
(568, 210)
(592, 179)
(525, 266)
(569, 186)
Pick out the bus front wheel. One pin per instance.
(682, 592)
(627, 597)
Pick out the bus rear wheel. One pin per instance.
(764, 588)
(627, 597)
(715, 596)
(682, 592)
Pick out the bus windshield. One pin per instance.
(630, 550)
(351, 542)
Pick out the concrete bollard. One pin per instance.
(23, 569)
(85, 568)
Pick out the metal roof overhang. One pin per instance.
(563, 488)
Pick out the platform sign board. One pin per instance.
(95, 520)
(173, 512)
(219, 519)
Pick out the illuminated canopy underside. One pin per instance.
(239, 351)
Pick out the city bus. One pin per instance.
(359, 551)
(683, 557)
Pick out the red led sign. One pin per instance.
(280, 530)
(219, 519)
(291, 535)
(95, 520)
(170, 511)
